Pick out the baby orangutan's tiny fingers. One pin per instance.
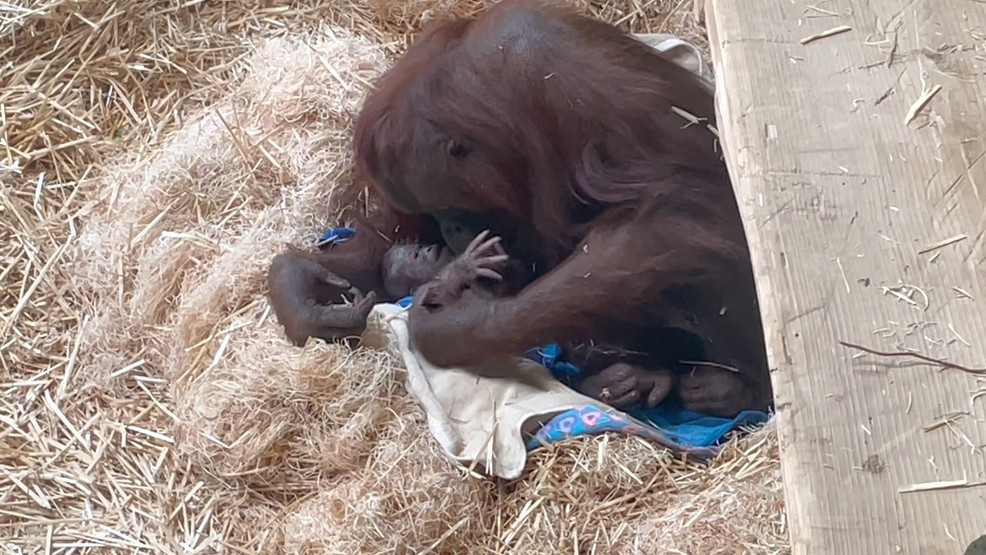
(474, 244)
(490, 243)
(492, 260)
(487, 273)
(486, 267)
(488, 246)
(479, 245)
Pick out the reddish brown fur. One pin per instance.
(557, 133)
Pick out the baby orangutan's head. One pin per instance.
(409, 266)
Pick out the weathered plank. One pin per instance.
(842, 201)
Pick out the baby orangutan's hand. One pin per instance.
(483, 258)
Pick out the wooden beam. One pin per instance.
(859, 160)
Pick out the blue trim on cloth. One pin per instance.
(666, 423)
(335, 235)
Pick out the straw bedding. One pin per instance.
(154, 157)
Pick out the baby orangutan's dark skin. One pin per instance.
(562, 136)
(408, 266)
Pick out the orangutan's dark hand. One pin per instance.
(466, 332)
(483, 258)
(624, 386)
(716, 391)
(300, 290)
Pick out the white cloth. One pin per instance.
(481, 415)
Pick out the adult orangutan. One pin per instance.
(564, 137)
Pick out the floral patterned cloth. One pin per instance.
(686, 431)
(591, 420)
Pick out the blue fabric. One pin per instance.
(693, 429)
(696, 433)
(549, 356)
(335, 235)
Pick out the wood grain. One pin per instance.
(840, 197)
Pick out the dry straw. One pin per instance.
(153, 156)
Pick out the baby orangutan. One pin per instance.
(442, 279)
(408, 266)
(405, 267)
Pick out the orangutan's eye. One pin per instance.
(457, 148)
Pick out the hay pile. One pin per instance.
(154, 157)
